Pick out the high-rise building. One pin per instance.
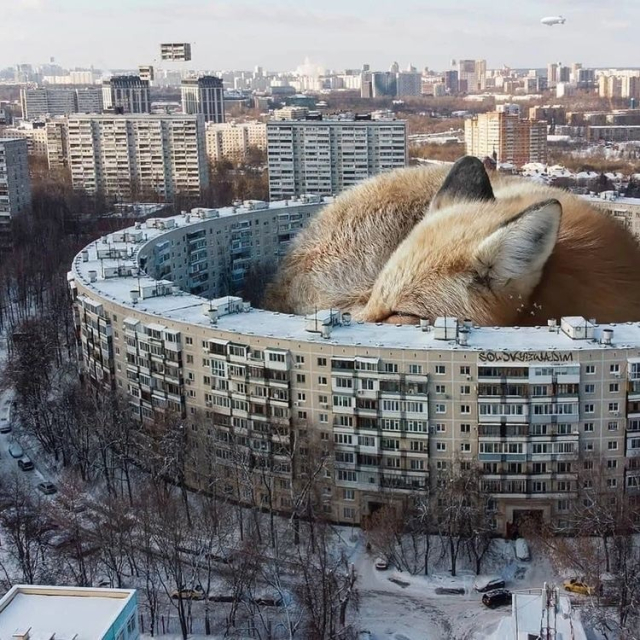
(204, 95)
(408, 83)
(451, 83)
(232, 140)
(57, 134)
(89, 100)
(59, 101)
(126, 94)
(326, 156)
(383, 84)
(15, 185)
(610, 86)
(506, 137)
(552, 74)
(467, 78)
(481, 75)
(130, 155)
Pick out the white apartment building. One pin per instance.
(127, 155)
(15, 185)
(203, 95)
(326, 156)
(232, 139)
(33, 132)
(387, 410)
(408, 84)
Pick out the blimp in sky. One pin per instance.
(551, 20)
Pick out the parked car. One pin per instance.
(15, 450)
(381, 564)
(5, 427)
(488, 583)
(496, 598)
(48, 488)
(522, 549)
(25, 463)
(197, 593)
(578, 586)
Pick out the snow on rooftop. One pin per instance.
(67, 612)
(187, 308)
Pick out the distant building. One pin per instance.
(88, 100)
(506, 137)
(231, 140)
(15, 185)
(625, 210)
(146, 72)
(29, 612)
(326, 156)
(59, 101)
(179, 51)
(33, 132)
(57, 136)
(451, 82)
(383, 84)
(203, 95)
(130, 155)
(291, 113)
(126, 94)
(408, 83)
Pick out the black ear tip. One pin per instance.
(468, 162)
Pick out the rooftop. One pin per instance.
(162, 301)
(71, 613)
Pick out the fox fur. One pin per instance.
(418, 243)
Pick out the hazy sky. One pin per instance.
(279, 34)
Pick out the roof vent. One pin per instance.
(607, 336)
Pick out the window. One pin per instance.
(590, 369)
(614, 387)
(441, 465)
(189, 359)
(440, 389)
(349, 513)
(417, 465)
(589, 408)
(302, 397)
(188, 340)
(322, 380)
(589, 389)
(612, 445)
(465, 371)
(276, 357)
(588, 427)
(614, 407)
(612, 483)
(323, 417)
(302, 415)
(440, 369)
(301, 378)
(588, 465)
(441, 408)
(588, 446)
(322, 362)
(441, 427)
(441, 446)
(390, 367)
(465, 428)
(348, 494)
(465, 447)
(614, 368)
(465, 390)
(612, 426)
(415, 369)
(299, 359)
(612, 464)
(131, 625)
(347, 476)
(465, 409)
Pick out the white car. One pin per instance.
(488, 583)
(522, 549)
(381, 564)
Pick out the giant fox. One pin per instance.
(499, 252)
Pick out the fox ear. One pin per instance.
(467, 180)
(520, 248)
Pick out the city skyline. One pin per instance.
(343, 34)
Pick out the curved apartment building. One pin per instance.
(390, 406)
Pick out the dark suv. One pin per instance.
(496, 598)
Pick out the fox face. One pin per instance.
(474, 259)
